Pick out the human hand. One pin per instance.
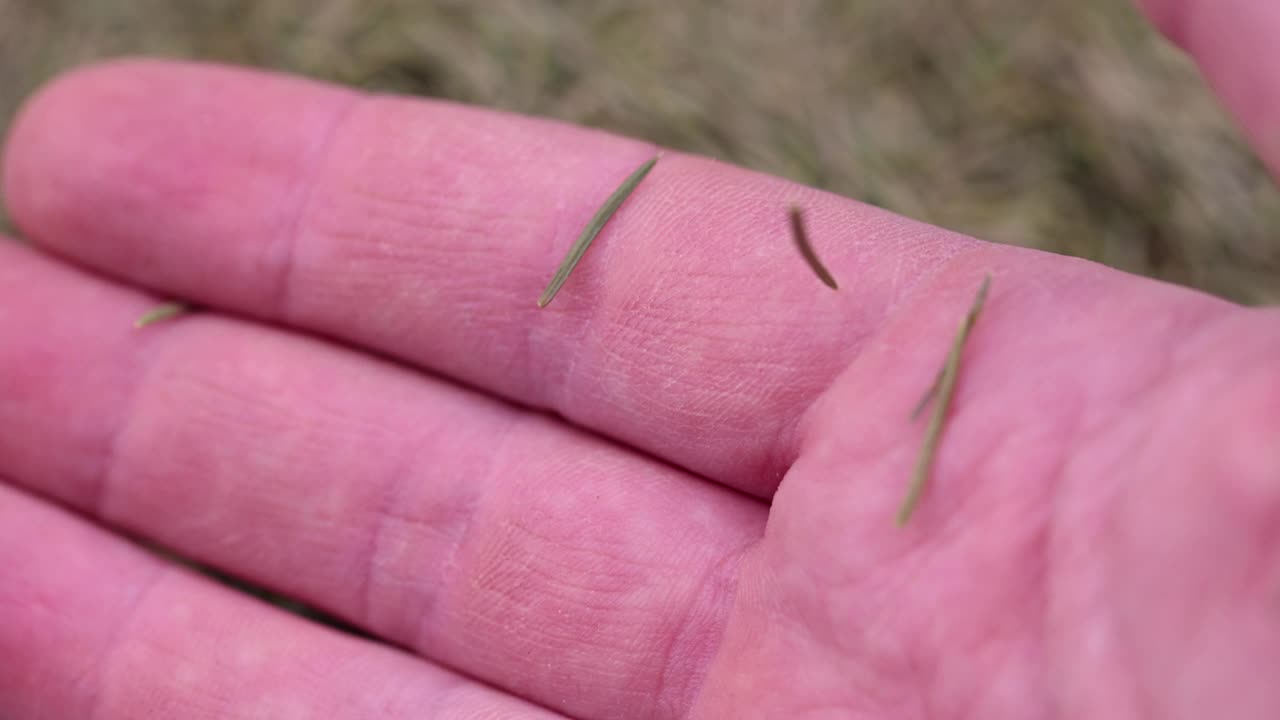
(705, 530)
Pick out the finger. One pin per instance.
(93, 627)
(427, 230)
(486, 537)
(1233, 42)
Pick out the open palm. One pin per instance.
(670, 494)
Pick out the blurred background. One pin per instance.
(1067, 125)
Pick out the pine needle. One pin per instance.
(598, 221)
(801, 239)
(160, 313)
(944, 389)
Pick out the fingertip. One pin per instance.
(59, 128)
(1232, 43)
(100, 156)
(23, 145)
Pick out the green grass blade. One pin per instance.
(593, 229)
(160, 313)
(946, 388)
(806, 249)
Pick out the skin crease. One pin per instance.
(670, 494)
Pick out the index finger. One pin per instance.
(426, 231)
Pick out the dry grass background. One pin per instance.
(1062, 124)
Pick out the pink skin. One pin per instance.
(670, 494)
